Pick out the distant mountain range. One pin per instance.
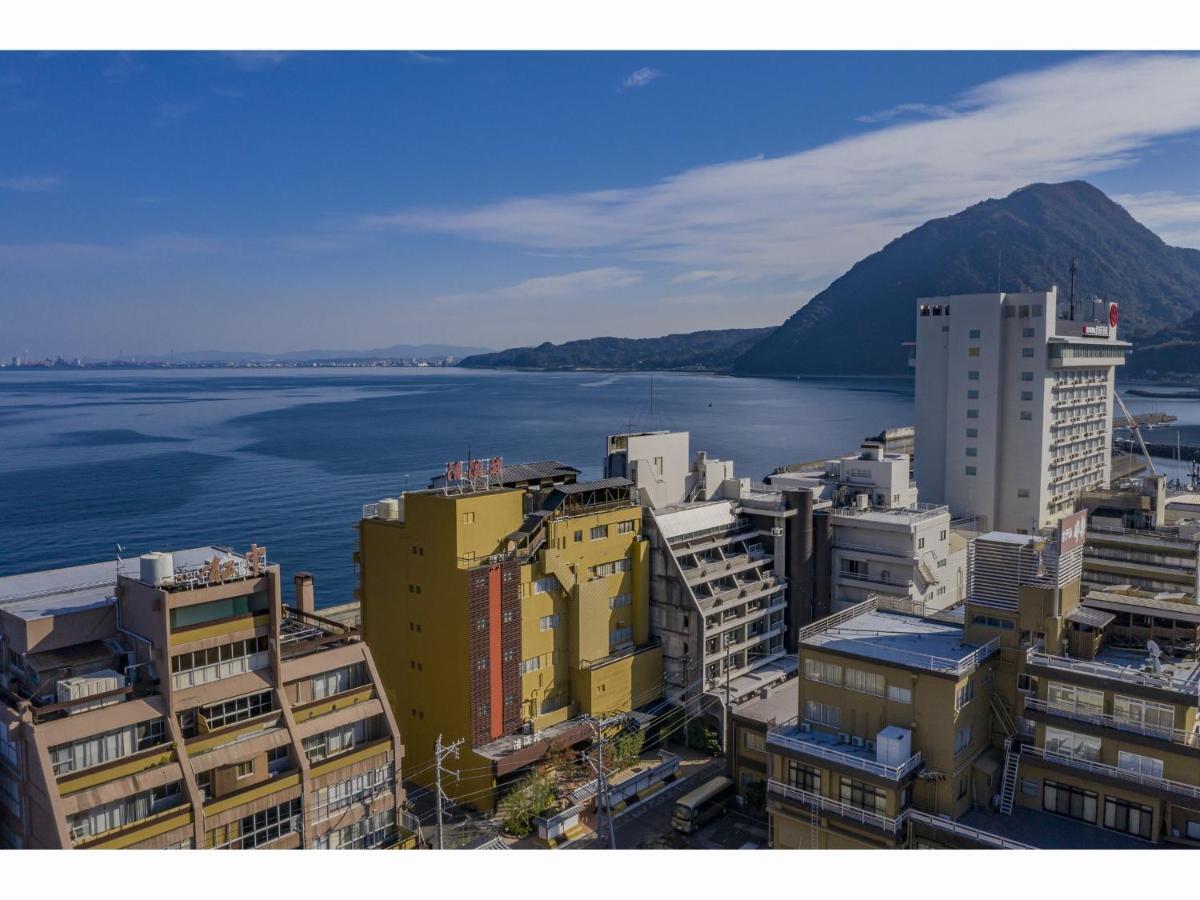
(698, 351)
(856, 326)
(397, 351)
(1022, 242)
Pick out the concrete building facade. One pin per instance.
(175, 702)
(1013, 405)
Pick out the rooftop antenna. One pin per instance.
(1073, 268)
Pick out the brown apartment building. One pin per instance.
(174, 701)
(1028, 717)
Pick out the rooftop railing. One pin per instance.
(1174, 735)
(302, 633)
(917, 513)
(1099, 768)
(1036, 656)
(974, 834)
(828, 804)
(856, 761)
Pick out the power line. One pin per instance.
(440, 754)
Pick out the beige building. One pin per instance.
(174, 701)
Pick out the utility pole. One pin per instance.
(598, 726)
(687, 674)
(725, 734)
(440, 753)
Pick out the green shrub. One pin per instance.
(531, 797)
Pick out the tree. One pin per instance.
(627, 747)
(531, 797)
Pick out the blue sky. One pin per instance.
(285, 201)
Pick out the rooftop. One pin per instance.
(781, 704)
(55, 592)
(894, 515)
(1181, 672)
(1047, 831)
(521, 473)
(899, 638)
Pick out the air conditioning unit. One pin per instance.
(843, 738)
(805, 727)
(856, 741)
(870, 746)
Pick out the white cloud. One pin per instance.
(1173, 216)
(810, 214)
(641, 77)
(904, 110)
(553, 287)
(30, 183)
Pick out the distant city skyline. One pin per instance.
(273, 202)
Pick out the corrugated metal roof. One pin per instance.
(1093, 617)
(604, 484)
(1143, 606)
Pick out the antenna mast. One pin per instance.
(1073, 267)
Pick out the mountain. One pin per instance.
(698, 351)
(1175, 349)
(397, 351)
(856, 325)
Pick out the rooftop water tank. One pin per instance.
(893, 746)
(157, 568)
(389, 509)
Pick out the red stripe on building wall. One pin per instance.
(495, 654)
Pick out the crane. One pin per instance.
(1136, 428)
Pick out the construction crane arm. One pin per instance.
(1137, 432)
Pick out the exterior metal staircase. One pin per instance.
(1004, 716)
(1008, 785)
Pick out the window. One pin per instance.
(468, 518)
(620, 636)
(806, 778)
(1142, 765)
(973, 375)
(972, 414)
(864, 796)
(1068, 743)
(598, 532)
(244, 769)
(337, 681)
(1069, 801)
(106, 747)
(973, 334)
(865, 682)
(964, 694)
(610, 568)
(340, 740)
(971, 451)
(1074, 699)
(543, 585)
(1130, 818)
(531, 665)
(258, 829)
(962, 738)
(378, 830)
(970, 470)
(620, 600)
(218, 610)
(972, 432)
(1026, 416)
(578, 536)
(752, 740)
(1027, 332)
(822, 713)
(545, 623)
(1023, 493)
(225, 661)
(823, 672)
(898, 694)
(920, 543)
(1026, 396)
(1024, 312)
(1027, 376)
(972, 351)
(218, 715)
(1144, 713)
(1027, 352)
(125, 811)
(992, 622)
(627, 527)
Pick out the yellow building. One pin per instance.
(503, 609)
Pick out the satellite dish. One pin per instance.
(1153, 649)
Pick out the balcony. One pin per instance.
(823, 746)
(885, 582)
(1098, 768)
(302, 633)
(721, 568)
(1188, 685)
(1106, 720)
(837, 807)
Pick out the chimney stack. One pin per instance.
(305, 597)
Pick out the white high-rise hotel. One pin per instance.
(1014, 404)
